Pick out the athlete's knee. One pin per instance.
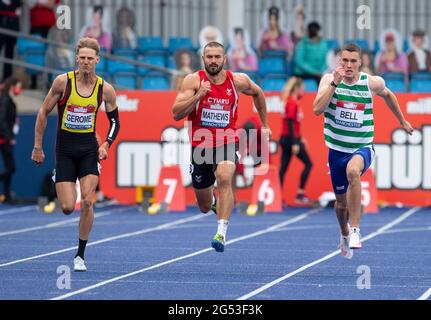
(86, 204)
(67, 208)
(353, 174)
(204, 208)
(224, 180)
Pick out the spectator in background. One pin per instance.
(310, 54)
(291, 142)
(124, 35)
(60, 57)
(97, 28)
(8, 130)
(183, 62)
(332, 59)
(419, 58)
(367, 63)
(298, 31)
(256, 148)
(42, 17)
(391, 58)
(209, 34)
(272, 36)
(240, 55)
(9, 19)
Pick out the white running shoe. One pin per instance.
(355, 239)
(79, 265)
(346, 252)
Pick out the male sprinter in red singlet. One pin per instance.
(78, 95)
(210, 100)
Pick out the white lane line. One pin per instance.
(60, 223)
(121, 236)
(329, 256)
(16, 210)
(425, 295)
(409, 230)
(254, 234)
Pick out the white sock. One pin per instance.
(355, 229)
(222, 227)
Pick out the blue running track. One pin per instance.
(292, 255)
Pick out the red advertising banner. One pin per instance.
(149, 138)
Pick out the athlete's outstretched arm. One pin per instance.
(51, 99)
(190, 93)
(111, 108)
(245, 85)
(378, 87)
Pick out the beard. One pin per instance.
(213, 69)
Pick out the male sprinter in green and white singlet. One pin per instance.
(78, 95)
(346, 99)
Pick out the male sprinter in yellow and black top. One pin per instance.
(78, 95)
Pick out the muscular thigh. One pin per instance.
(88, 185)
(66, 192)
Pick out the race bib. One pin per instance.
(349, 114)
(78, 118)
(215, 118)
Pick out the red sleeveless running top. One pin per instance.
(214, 118)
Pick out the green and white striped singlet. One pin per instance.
(349, 121)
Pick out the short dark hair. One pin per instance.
(314, 25)
(273, 11)
(7, 84)
(97, 8)
(213, 44)
(238, 30)
(351, 47)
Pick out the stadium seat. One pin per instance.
(155, 83)
(406, 46)
(126, 80)
(101, 66)
(420, 86)
(421, 75)
(274, 53)
(36, 57)
(270, 66)
(310, 85)
(273, 84)
(393, 76)
(396, 85)
(148, 45)
(179, 43)
(171, 63)
(26, 44)
(332, 44)
(115, 66)
(376, 47)
(122, 52)
(158, 61)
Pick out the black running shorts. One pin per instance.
(204, 163)
(70, 166)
